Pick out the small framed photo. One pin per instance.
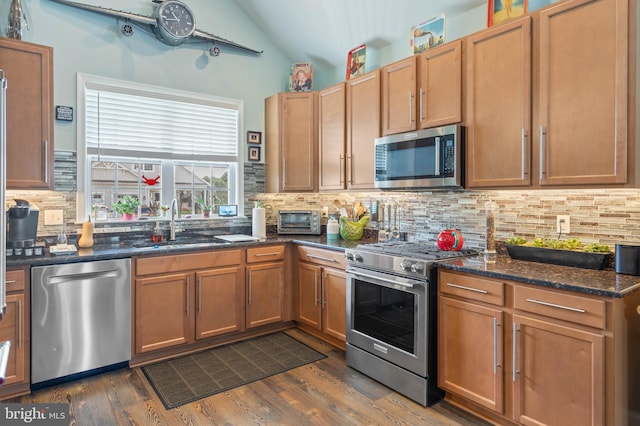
(499, 11)
(227, 210)
(254, 153)
(254, 137)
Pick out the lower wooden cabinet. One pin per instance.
(265, 285)
(219, 304)
(519, 354)
(15, 326)
(321, 294)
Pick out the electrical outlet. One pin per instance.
(325, 211)
(53, 217)
(563, 224)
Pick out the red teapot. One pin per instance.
(450, 239)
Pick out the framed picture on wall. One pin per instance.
(254, 153)
(254, 137)
(499, 11)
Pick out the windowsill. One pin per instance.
(147, 219)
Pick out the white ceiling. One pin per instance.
(323, 31)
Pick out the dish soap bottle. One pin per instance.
(86, 240)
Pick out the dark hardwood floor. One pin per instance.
(323, 393)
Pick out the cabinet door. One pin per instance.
(219, 302)
(470, 348)
(298, 141)
(583, 93)
(399, 96)
(332, 134)
(498, 112)
(28, 68)
(440, 86)
(163, 308)
(309, 288)
(559, 374)
(264, 294)
(334, 303)
(13, 328)
(363, 126)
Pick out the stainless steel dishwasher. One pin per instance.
(80, 317)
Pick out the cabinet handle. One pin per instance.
(324, 301)
(421, 110)
(199, 295)
(46, 161)
(495, 345)
(19, 323)
(10, 282)
(542, 165)
(343, 165)
(274, 253)
(188, 307)
(249, 295)
(515, 336)
(410, 107)
(349, 170)
(524, 155)
(326, 259)
(315, 288)
(553, 305)
(477, 290)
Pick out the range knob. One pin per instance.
(417, 267)
(406, 265)
(348, 255)
(357, 257)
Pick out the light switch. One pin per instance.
(53, 217)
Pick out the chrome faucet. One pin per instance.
(172, 229)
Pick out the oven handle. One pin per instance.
(410, 284)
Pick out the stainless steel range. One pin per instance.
(391, 315)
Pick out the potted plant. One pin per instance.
(206, 208)
(127, 206)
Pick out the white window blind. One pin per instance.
(123, 122)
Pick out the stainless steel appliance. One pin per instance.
(392, 315)
(3, 187)
(299, 222)
(22, 225)
(429, 158)
(80, 317)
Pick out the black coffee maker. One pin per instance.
(22, 225)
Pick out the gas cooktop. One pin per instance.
(417, 250)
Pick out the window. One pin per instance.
(156, 144)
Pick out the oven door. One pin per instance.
(386, 316)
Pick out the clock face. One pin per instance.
(176, 19)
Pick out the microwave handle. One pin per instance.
(437, 171)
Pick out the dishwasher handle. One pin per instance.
(57, 279)
(5, 348)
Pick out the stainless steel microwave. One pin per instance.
(424, 159)
(299, 222)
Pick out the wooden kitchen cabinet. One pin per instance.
(291, 142)
(265, 285)
(28, 69)
(498, 106)
(440, 86)
(172, 298)
(15, 326)
(582, 115)
(332, 137)
(540, 355)
(399, 96)
(363, 126)
(321, 294)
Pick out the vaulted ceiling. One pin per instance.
(323, 31)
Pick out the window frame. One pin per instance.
(83, 199)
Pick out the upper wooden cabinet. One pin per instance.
(498, 110)
(576, 133)
(28, 68)
(363, 127)
(440, 86)
(291, 142)
(332, 137)
(583, 96)
(399, 96)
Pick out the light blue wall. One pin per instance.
(91, 43)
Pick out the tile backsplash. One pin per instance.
(605, 216)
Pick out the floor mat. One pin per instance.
(196, 376)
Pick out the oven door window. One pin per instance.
(296, 220)
(386, 314)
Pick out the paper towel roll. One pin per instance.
(259, 223)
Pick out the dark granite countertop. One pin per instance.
(604, 282)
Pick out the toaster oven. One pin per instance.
(302, 222)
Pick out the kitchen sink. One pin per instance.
(180, 243)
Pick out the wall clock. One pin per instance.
(173, 23)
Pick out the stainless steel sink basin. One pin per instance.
(179, 243)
